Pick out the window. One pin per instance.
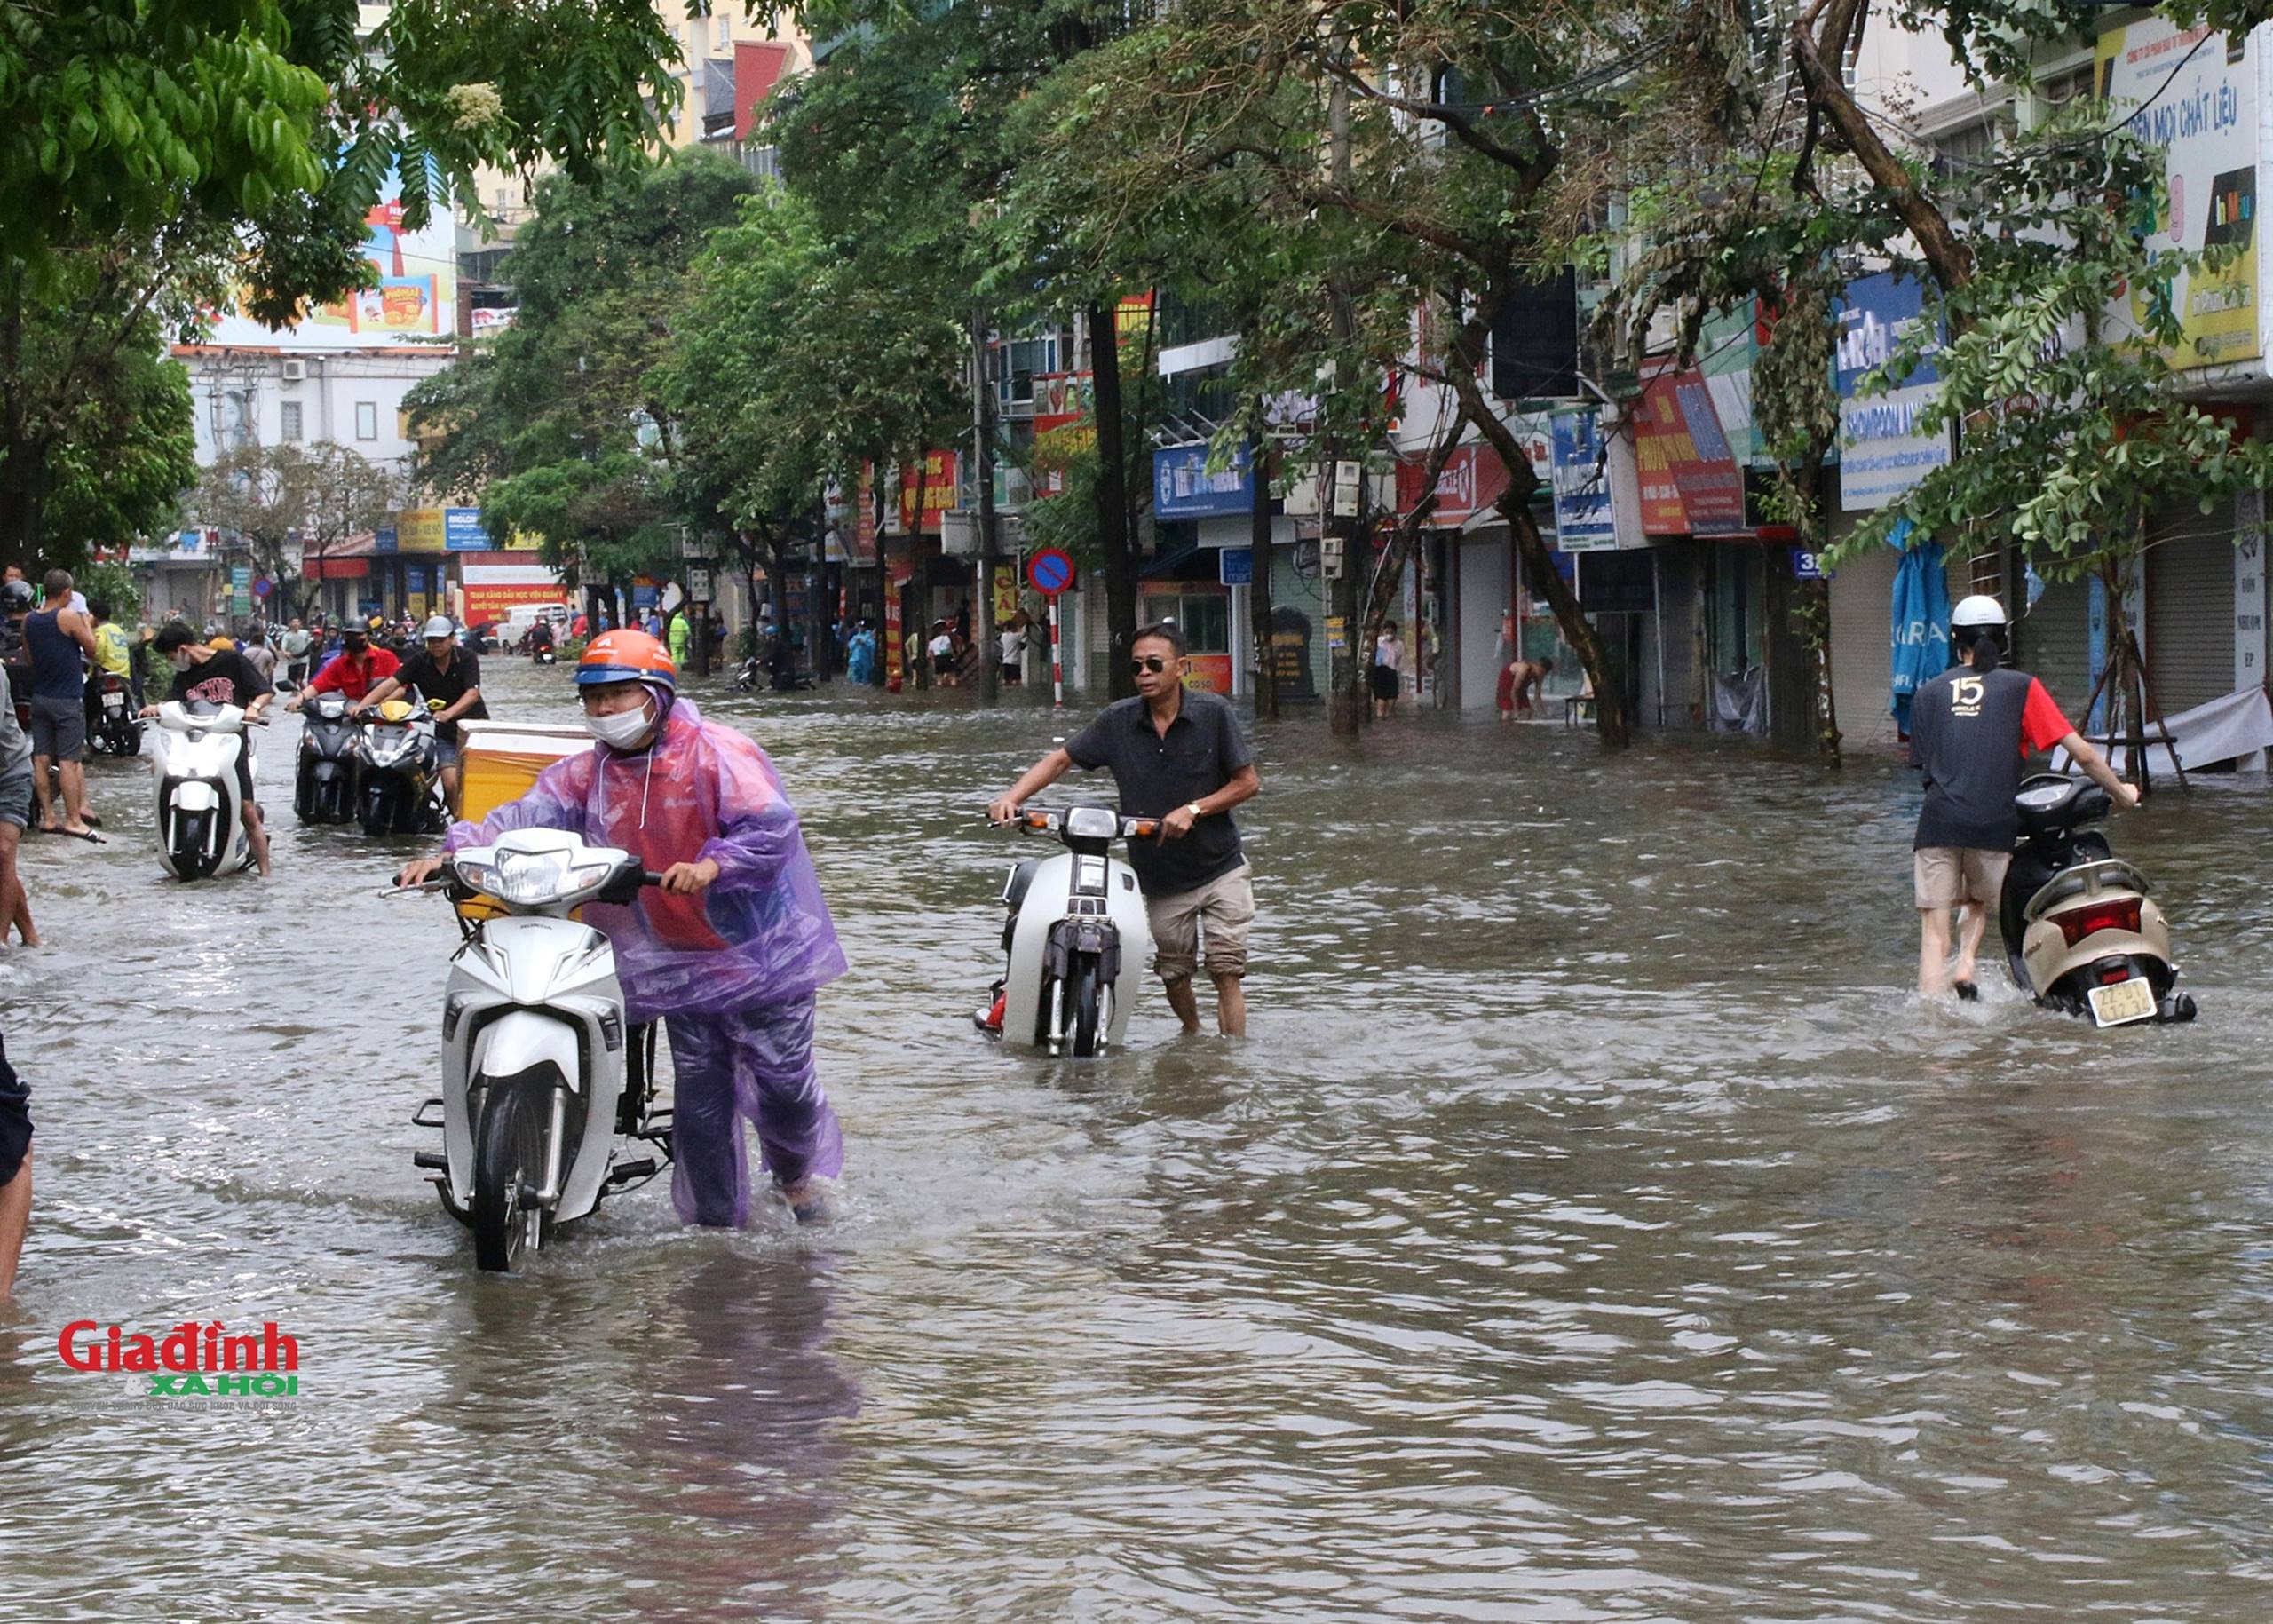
(291, 426)
(724, 33)
(367, 420)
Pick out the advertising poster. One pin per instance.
(1881, 451)
(414, 300)
(1583, 521)
(495, 585)
(1184, 487)
(2184, 92)
(937, 479)
(1689, 483)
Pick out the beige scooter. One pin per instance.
(2081, 934)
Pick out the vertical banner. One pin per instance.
(1006, 594)
(895, 645)
(1882, 452)
(1583, 522)
(2249, 590)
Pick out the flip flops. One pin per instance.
(1967, 991)
(89, 835)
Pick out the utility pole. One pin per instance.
(1266, 681)
(1346, 710)
(982, 440)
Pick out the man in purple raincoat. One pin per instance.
(731, 947)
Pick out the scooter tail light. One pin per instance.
(2114, 914)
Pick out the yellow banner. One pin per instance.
(1006, 593)
(420, 530)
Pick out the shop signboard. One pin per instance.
(492, 590)
(1583, 518)
(1184, 487)
(1882, 451)
(935, 476)
(463, 530)
(2186, 92)
(1690, 482)
(1235, 567)
(421, 529)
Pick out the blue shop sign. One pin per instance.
(462, 530)
(1182, 488)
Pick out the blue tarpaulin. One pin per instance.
(1922, 618)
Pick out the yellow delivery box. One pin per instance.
(501, 760)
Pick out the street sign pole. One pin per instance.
(1049, 572)
(1057, 662)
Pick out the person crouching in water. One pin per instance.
(729, 951)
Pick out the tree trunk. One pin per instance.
(982, 445)
(1266, 680)
(1114, 531)
(1826, 86)
(23, 503)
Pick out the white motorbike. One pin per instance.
(541, 1076)
(201, 811)
(1078, 938)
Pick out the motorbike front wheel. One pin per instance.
(507, 1163)
(1084, 999)
(379, 809)
(193, 836)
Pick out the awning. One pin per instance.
(758, 68)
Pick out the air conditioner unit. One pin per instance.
(294, 370)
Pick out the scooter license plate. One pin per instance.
(2123, 1002)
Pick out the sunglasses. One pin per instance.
(1149, 663)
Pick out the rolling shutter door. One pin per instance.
(1862, 648)
(2190, 606)
(2053, 644)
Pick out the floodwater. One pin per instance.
(1594, 1228)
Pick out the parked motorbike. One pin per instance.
(544, 1088)
(2081, 934)
(401, 791)
(324, 781)
(112, 725)
(1077, 938)
(201, 812)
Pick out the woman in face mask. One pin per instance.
(733, 945)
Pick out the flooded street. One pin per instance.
(1594, 1228)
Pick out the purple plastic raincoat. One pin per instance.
(759, 936)
(734, 968)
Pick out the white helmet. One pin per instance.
(440, 627)
(1980, 610)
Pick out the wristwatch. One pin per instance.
(1195, 809)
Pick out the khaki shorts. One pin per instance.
(1947, 876)
(1227, 903)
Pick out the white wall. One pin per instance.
(239, 394)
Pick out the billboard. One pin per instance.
(938, 476)
(1182, 488)
(2186, 92)
(491, 591)
(1881, 452)
(414, 299)
(1583, 521)
(1690, 482)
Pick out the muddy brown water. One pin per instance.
(1592, 1229)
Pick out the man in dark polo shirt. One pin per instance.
(1177, 754)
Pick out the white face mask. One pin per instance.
(180, 659)
(624, 729)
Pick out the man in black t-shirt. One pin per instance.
(221, 677)
(1971, 729)
(445, 671)
(1177, 754)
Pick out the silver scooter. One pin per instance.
(541, 1075)
(200, 810)
(1078, 939)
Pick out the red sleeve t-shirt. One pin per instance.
(2042, 723)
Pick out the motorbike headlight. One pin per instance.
(531, 876)
(1092, 823)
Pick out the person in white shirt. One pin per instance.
(1014, 650)
(942, 650)
(1388, 668)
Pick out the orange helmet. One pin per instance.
(626, 656)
